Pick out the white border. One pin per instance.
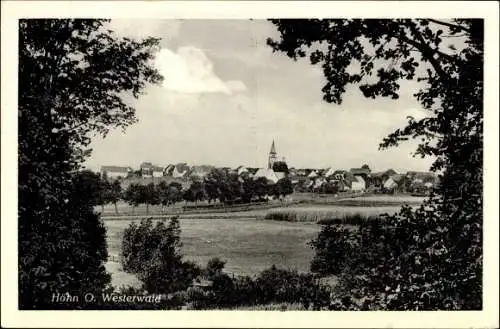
(13, 10)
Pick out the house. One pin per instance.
(313, 174)
(167, 171)
(149, 170)
(269, 174)
(280, 175)
(241, 170)
(180, 170)
(158, 171)
(252, 171)
(146, 169)
(378, 179)
(390, 184)
(319, 182)
(329, 173)
(397, 183)
(358, 184)
(361, 172)
(421, 182)
(115, 172)
(301, 172)
(343, 179)
(403, 182)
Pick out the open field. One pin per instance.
(244, 239)
(249, 246)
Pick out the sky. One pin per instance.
(226, 96)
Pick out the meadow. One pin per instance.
(246, 240)
(248, 245)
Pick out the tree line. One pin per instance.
(218, 186)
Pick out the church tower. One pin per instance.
(272, 156)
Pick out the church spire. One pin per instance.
(273, 149)
(272, 156)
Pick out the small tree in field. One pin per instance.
(115, 194)
(153, 253)
(334, 246)
(195, 192)
(132, 196)
(163, 195)
(149, 196)
(284, 187)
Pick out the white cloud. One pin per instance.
(189, 70)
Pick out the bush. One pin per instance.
(153, 253)
(270, 287)
(334, 246)
(284, 286)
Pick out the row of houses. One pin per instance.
(149, 170)
(362, 179)
(304, 180)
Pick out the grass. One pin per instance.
(322, 214)
(248, 245)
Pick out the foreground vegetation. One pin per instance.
(427, 258)
(248, 245)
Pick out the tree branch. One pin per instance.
(450, 25)
(427, 51)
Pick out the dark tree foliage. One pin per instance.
(72, 74)
(272, 285)
(115, 194)
(378, 55)
(153, 253)
(215, 267)
(334, 246)
(280, 166)
(132, 195)
(283, 187)
(196, 192)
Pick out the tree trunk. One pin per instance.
(116, 209)
(147, 208)
(102, 208)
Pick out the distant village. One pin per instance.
(313, 180)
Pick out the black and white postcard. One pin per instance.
(316, 161)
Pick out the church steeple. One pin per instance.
(272, 156)
(273, 149)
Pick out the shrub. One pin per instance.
(334, 246)
(153, 253)
(284, 286)
(214, 267)
(270, 287)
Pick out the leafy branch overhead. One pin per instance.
(378, 54)
(82, 71)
